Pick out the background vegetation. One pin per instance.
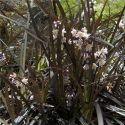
(112, 6)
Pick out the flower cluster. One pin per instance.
(81, 40)
(55, 31)
(57, 23)
(100, 55)
(15, 80)
(84, 44)
(2, 58)
(70, 93)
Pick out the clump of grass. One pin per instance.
(69, 71)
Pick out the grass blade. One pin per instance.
(102, 41)
(117, 25)
(99, 114)
(13, 87)
(114, 109)
(108, 121)
(2, 121)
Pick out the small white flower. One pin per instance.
(73, 32)
(86, 67)
(89, 47)
(101, 62)
(121, 24)
(13, 75)
(69, 41)
(55, 33)
(86, 35)
(74, 41)
(15, 82)
(116, 54)
(104, 75)
(84, 30)
(63, 32)
(64, 40)
(100, 31)
(97, 54)
(25, 81)
(94, 66)
(79, 43)
(31, 97)
(54, 37)
(104, 51)
(103, 56)
(57, 23)
(79, 34)
(85, 56)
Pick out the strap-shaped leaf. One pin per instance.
(118, 121)
(3, 122)
(114, 109)
(102, 41)
(82, 121)
(85, 120)
(13, 87)
(99, 114)
(108, 121)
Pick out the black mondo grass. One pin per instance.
(58, 67)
